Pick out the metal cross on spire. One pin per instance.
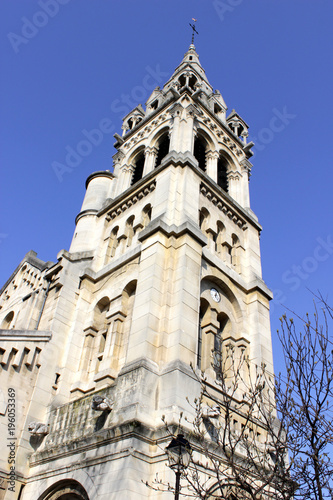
(193, 29)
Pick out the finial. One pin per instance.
(193, 30)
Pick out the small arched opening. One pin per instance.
(203, 218)
(146, 215)
(130, 229)
(112, 244)
(219, 237)
(7, 321)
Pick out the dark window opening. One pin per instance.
(192, 82)
(240, 130)
(200, 153)
(217, 109)
(130, 123)
(163, 149)
(218, 339)
(182, 80)
(138, 169)
(154, 105)
(222, 178)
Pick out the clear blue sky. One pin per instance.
(68, 64)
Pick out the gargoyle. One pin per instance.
(101, 404)
(38, 428)
(211, 412)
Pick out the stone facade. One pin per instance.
(165, 256)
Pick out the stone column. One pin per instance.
(211, 164)
(150, 159)
(235, 187)
(176, 113)
(125, 177)
(246, 172)
(187, 130)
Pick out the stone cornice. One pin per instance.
(187, 227)
(128, 257)
(123, 205)
(25, 336)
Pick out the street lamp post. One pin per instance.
(179, 455)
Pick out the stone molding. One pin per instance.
(24, 336)
(172, 230)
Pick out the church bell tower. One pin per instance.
(165, 259)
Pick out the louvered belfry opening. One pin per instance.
(163, 149)
(200, 152)
(138, 169)
(222, 169)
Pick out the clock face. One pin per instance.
(215, 295)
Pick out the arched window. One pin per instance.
(234, 250)
(101, 327)
(138, 168)
(130, 230)
(199, 152)
(112, 245)
(7, 320)
(203, 218)
(163, 149)
(222, 169)
(146, 215)
(219, 238)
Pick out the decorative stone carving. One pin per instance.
(101, 404)
(222, 205)
(211, 412)
(131, 201)
(38, 428)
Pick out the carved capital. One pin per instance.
(151, 151)
(212, 155)
(128, 168)
(233, 176)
